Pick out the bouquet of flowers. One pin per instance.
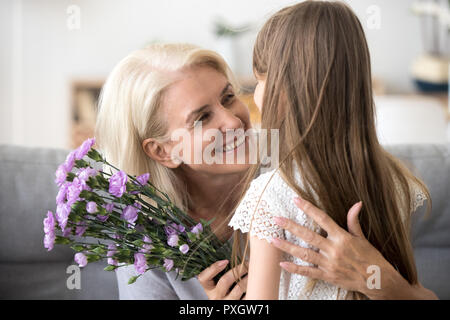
(126, 220)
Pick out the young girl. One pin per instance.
(312, 64)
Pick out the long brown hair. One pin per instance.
(315, 60)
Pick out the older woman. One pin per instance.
(152, 94)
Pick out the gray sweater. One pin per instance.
(157, 285)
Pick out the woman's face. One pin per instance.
(202, 108)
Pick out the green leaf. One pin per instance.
(153, 261)
(62, 240)
(70, 176)
(77, 248)
(133, 279)
(110, 268)
(81, 164)
(99, 250)
(95, 155)
(93, 257)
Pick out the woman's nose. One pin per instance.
(229, 120)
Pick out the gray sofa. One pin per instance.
(27, 191)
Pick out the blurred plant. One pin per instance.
(223, 29)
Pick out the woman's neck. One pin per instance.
(213, 196)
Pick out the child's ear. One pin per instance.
(160, 152)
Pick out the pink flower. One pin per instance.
(143, 178)
(49, 223)
(146, 247)
(109, 207)
(102, 218)
(85, 173)
(61, 175)
(84, 148)
(49, 240)
(66, 232)
(70, 161)
(140, 263)
(61, 196)
(130, 214)
(184, 248)
(80, 229)
(91, 207)
(111, 251)
(117, 184)
(173, 240)
(62, 214)
(198, 228)
(73, 191)
(168, 264)
(81, 259)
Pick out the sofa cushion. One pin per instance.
(27, 191)
(431, 234)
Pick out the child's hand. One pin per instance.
(221, 290)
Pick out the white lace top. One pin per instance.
(277, 200)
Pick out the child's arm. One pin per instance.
(264, 270)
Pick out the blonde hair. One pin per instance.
(130, 109)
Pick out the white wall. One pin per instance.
(39, 55)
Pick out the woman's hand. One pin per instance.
(344, 257)
(221, 290)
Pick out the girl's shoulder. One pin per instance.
(268, 196)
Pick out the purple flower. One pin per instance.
(173, 240)
(143, 178)
(70, 161)
(168, 264)
(81, 259)
(129, 214)
(91, 207)
(181, 228)
(84, 148)
(61, 175)
(49, 240)
(62, 214)
(146, 247)
(137, 205)
(198, 228)
(73, 191)
(102, 218)
(117, 236)
(184, 248)
(61, 196)
(49, 223)
(140, 263)
(79, 230)
(85, 173)
(171, 229)
(111, 251)
(66, 232)
(109, 207)
(117, 184)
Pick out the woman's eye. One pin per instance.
(203, 117)
(228, 98)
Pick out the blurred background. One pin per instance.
(56, 54)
